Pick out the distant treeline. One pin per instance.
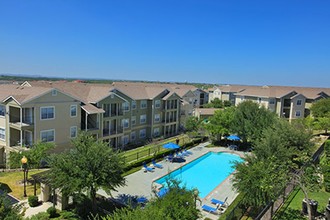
(21, 78)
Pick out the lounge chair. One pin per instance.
(219, 202)
(188, 152)
(210, 209)
(169, 158)
(147, 168)
(157, 164)
(162, 192)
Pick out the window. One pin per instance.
(73, 110)
(142, 133)
(54, 92)
(271, 101)
(157, 117)
(125, 106)
(157, 103)
(47, 136)
(299, 101)
(125, 123)
(143, 104)
(73, 131)
(47, 113)
(2, 134)
(156, 132)
(133, 136)
(125, 139)
(2, 110)
(143, 119)
(133, 120)
(298, 114)
(259, 100)
(242, 98)
(133, 104)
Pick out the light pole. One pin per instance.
(24, 161)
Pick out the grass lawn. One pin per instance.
(10, 182)
(292, 210)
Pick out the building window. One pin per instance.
(2, 110)
(47, 136)
(133, 104)
(299, 101)
(242, 98)
(2, 134)
(157, 117)
(125, 106)
(156, 132)
(133, 120)
(271, 101)
(133, 136)
(259, 100)
(143, 119)
(73, 110)
(73, 131)
(47, 113)
(125, 139)
(125, 123)
(157, 104)
(143, 104)
(142, 133)
(298, 114)
(54, 92)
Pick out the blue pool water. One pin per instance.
(204, 173)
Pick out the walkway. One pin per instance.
(140, 183)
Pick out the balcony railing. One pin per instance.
(108, 132)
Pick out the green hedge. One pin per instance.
(33, 201)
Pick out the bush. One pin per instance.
(33, 201)
(52, 212)
(39, 216)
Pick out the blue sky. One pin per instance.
(237, 42)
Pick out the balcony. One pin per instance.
(113, 131)
(15, 117)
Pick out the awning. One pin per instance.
(91, 109)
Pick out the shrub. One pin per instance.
(39, 216)
(52, 212)
(33, 201)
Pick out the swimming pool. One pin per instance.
(204, 173)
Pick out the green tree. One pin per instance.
(215, 103)
(192, 124)
(36, 154)
(321, 108)
(220, 123)
(322, 123)
(89, 166)
(250, 120)
(8, 211)
(178, 204)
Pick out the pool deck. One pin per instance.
(140, 183)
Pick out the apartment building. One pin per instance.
(286, 102)
(120, 114)
(32, 114)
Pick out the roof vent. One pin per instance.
(265, 87)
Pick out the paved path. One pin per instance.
(140, 183)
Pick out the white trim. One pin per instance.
(125, 104)
(157, 118)
(156, 103)
(47, 131)
(71, 131)
(41, 119)
(143, 102)
(300, 102)
(73, 116)
(145, 119)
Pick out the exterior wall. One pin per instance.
(297, 108)
(62, 121)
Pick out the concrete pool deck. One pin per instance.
(140, 183)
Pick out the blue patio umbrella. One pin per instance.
(233, 138)
(171, 145)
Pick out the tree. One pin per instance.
(89, 166)
(220, 123)
(322, 123)
(250, 120)
(179, 203)
(8, 211)
(215, 103)
(192, 124)
(38, 153)
(321, 108)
